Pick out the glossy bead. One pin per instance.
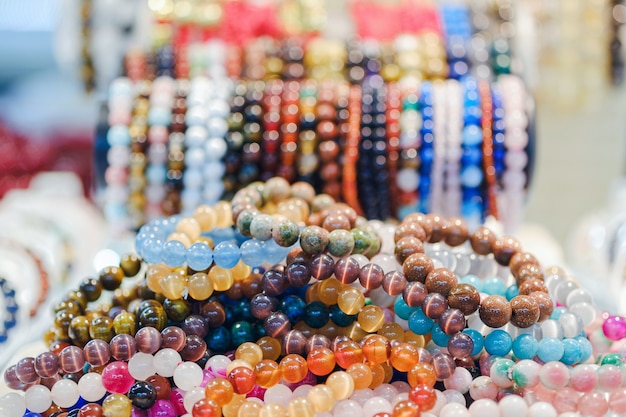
(321, 361)
(219, 390)
(72, 360)
(465, 298)
(65, 393)
(206, 408)
(361, 374)
(173, 337)
(424, 396)
(371, 318)
(452, 321)
(242, 379)
(371, 276)
(348, 352)
(341, 383)
(482, 241)
(102, 328)
(116, 378)
(293, 368)
(441, 280)
(142, 395)
(417, 266)
(403, 356)
(422, 373)
(187, 376)
(347, 270)
(111, 277)
(47, 364)
(376, 349)
(504, 249)
(434, 305)
(161, 385)
(461, 345)
(200, 286)
(495, 311)
(351, 300)
(267, 373)
(322, 397)
(444, 365)
(91, 410)
(25, 370)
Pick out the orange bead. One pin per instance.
(267, 373)
(371, 318)
(403, 356)
(392, 331)
(312, 293)
(424, 396)
(388, 373)
(328, 291)
(376, 348)
(415, 339)
(270, 346)
(206, 408)
(347, 353)
(249, 352)
(243, 379)
(406, 408)
(293, 368)
(378, 375)
(422, 373)
(219, 390)
(321, 361)
(361, 374)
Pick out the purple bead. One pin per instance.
(123, 346)
(257, 392)
(614, 328)
(162, 408)
(176, 398)
(136, 412)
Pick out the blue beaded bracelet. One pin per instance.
(426, 151)
(10, 308)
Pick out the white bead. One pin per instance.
(453, 396)
(196, 116)
(38, 398)
(347, 408)
(214, 170)
(376, 405)
(454, 410)
(12, 405)
(188, 375)
(386, 391)
(278, 394)
(403, 396)
(579, 295)
(552, 328)
(213, 191)
(484, 408)
(513, 405)
(362, 395)
(218, 363)
(90, 387)
(460, 380)
(401, 386)
(541, 409)
(195, 136)
(194, 158)
(439, 403)
(193, 178)
(572, 324)
(217, 127)
(65, 393)
(165, 362)
(141, 366)
(408, 180)
(563, 290)
(215, 148)
(192, 397)
(586, 312)
(302, 391)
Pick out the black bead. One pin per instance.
(142, 395)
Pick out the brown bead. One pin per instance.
(328, 150)
(423, 221)
(235, 292)
(532, 285)
(434, 305)
(417, 267)
(464, 297)
(327, 130)
(130, 265)
(528, 271)
(452, 321)
(524, 311)
(371, 276)
(336, 221)
(91, 410)
(495, 311)
(504, 249)
(72, 359)
(520, 259)
(545, 304)
(111, 277)
(406, 247)
(439, 227)
(394, 283)
(294, 342)
(330, 173)
(406, 229)
(441, 280)
(414, 294)
(161, 385)
(457, 232)
(214, 312)
(482, 241)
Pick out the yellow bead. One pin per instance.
(351, 300)
(392, 331)
(222, 278)
(341, 383)
(328, 291)
(355, 332)
(206, 217)
(371, 318)
(241, 271)
(361, 374)
(249, 352)
(249, 409)
(154, 274)
(219, 390)
(322, 397)
(273, 410)
(116, 405)
(232, 408)
(173, 286)
(237, 363)
(181, 237)
(190, 227)
(415, 339)
(200, 286)
(224, 214)
(301, 407)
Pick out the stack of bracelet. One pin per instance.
(458, 148)
(242, 310)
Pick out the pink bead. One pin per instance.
(609, 378)
(543, 393)
(158, 134)
(177, 398)
(257, 392)
(119, 118)
(116, 175)
(554, 375)
(485, 362)
(584, 378)
(116, 378)
(614, 328)
(617, 401)
(207, 376)
(483, 387)
(565, 400)
(162, 408)
(459, 381)
(593, 404)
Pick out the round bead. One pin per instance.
(495, 311)
(117, 405)
(90, 387)
(38, 398)
(116, 378)
(65, 393)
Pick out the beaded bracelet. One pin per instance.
(426, 153)
(454, 154)
(329, 137)
(437, 172)
(176, 155)
(235, 140)
(351, 151)
(487, 147)
(272, 139)
(289, 129)
(252, 132)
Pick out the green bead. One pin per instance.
(340, 243)
(101, 327)
(125, 323)
(176, 310)
(612, 359)
(243, 221)
(365, 242)
(313, 239)
(286, 233)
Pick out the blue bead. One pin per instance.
(31, 414)
(252, 252)
(472, 155)
(471, 176)
(118, 136)
(152, 249)
(402, 309)
(571, 352)
(477, 338)
(474, 281)
(473, 114)
(512, 292)
(218, 339)
(241, 332)
(494, 286)
(274, 253)
(156, 174)
(227, 254)
(420, 323)
(427, 155)
(199, 256)
(340, 318)
(173, 253)
(159, 116)
(498, 343)
(316, 314)
(525, 346)
(556, 313)
(550, 349)
(585, 348)
(293, 307)
(440, 338)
